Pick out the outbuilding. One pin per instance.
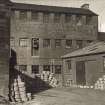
(84, 66)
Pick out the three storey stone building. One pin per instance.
(41, 34)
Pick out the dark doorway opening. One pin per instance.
(80, 73)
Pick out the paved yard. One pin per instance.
(68, 96)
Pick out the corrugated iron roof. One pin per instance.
(45, 8)
(93, 48)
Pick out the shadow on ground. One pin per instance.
(33, 85)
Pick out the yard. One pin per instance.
(69, 96)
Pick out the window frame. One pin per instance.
(34, 48)
(33, 71)
(69, 65)
(46, 43)
(68, 18)
(34, 15)
(78, 43)
(25, 40)
(58, 71)
(57, 17)
(22, 15)
(46, 66)
(46, 17)
(56, 43)
(88, 19)
(23, 66)
(67, 45)
(78, 19)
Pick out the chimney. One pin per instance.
(85, 6)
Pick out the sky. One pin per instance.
(97, 6)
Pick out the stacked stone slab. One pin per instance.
(49, 78)
(100, 83)
(18, 91)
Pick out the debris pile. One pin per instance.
(100, 83)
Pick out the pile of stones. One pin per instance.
(18, 91)
(49, 78)
(100, 83)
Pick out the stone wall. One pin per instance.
(4, 49)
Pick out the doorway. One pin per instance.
(80, 73)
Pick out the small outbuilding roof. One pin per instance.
(46, 8)
(92, 48)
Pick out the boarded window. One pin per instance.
(57, 42)
(34, 15)
(46, 17)
(79, 43)
(23, 42)
(46, 43)
(57, 69)
(46, 67)
(35, 46)
(23, 68)
(35, 69)
(68, 43)
(23, 15)
(57, 18)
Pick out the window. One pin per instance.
(46, 43)
(34, 15)
(78, 19)
(57, 69)
(89, 41)
(68, 64)
(79, 43)
(35, 46)
(57, 42)
(35, 69)
(68, 43)
(23, 42)
(57, 18)
(23, 68)
(67, 18)
(12, 42)
(46, 17)
(88, 19)
(46, 68)
(23, 15)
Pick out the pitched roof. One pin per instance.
(92, 48)
(45, 8)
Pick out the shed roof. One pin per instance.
(46, 8)
(93, 48)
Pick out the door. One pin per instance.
(80, 73)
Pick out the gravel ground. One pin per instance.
(68, 96)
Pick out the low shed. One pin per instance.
(84, 66)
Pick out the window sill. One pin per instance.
(35, 56)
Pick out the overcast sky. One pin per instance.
(98, 6)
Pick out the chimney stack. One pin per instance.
(85, 6)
